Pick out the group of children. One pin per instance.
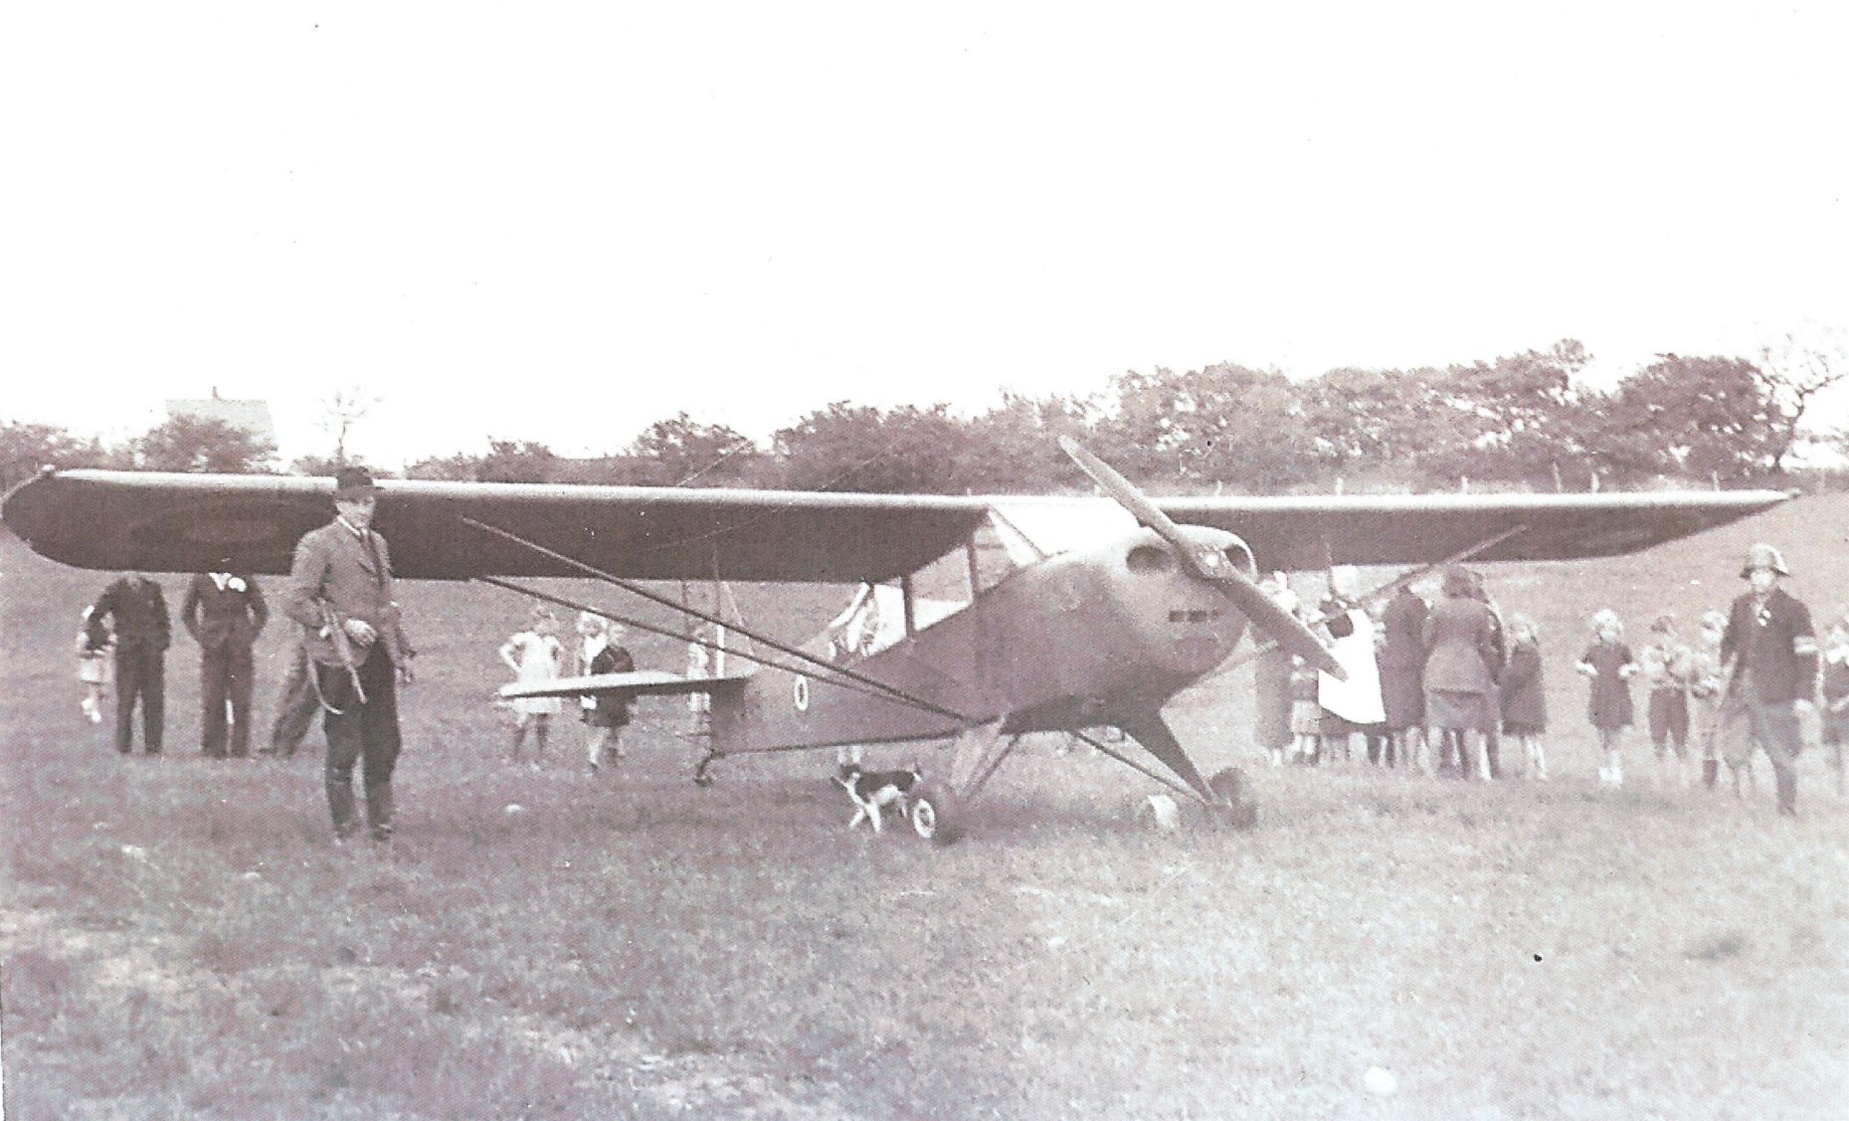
(537, 656)
(1684, 687)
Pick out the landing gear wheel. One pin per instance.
(933, 816)
(1234, 808)
(924, 818)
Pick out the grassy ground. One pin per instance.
(179, 938)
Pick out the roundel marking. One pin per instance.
(799, 693)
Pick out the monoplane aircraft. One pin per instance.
(1013, 614)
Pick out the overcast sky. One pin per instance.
(562, 222)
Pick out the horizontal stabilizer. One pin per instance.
(637, 683)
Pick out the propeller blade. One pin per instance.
(1209, 564)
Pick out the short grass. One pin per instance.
(179, 938)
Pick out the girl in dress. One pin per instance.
(1609, 666)
(537, 657)
(1524, 699)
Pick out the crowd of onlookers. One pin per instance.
(1455, 686)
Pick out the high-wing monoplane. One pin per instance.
(980, 619)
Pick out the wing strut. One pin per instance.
(1147, 772)
(1150, 730)
(836, 673)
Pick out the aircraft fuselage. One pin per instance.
(1069, 642)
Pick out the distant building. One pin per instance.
(252, 416)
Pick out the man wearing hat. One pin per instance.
(1772, 649)
(340, 591)
(224, 612)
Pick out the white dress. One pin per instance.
(539, 659)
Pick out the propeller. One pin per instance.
(1209, 564)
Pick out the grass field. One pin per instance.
(179, 938)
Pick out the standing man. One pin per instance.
(224, 612)
(143, 631)
(1773, 651)
(340, 590)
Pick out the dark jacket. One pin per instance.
(138, 612)
(232, 617)
(1774, 644)
(335, 567)
(611, 711)
(1404, 624)
(1460, 642)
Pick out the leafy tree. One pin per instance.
(1014, 448)
(1225, 424)
(24, 448)
(522, 461)
(194, 443)
(1511, 419)
(1694, 416)
(860, 448)
(680, 451)
(454, 468)
(1370, 417)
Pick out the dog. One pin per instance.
(873, 791)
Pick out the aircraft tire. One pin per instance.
(932, 817)
(1235, 808)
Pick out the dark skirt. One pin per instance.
(1468, 712)
(1402, 693)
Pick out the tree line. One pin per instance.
(1526, 421)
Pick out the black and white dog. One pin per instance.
(873, 791)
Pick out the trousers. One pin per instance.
(363, 735)
(141, 673)
(1772, 725)
(225, 675)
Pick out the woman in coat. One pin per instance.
(1460, 682)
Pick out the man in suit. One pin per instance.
(340, 590)
(143, 631)
(1773, 650)
(224, 612)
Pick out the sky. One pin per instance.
(563, 222)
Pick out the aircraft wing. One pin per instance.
(192, 523)
(636, 683)
(1300, 534)
(188, 523)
